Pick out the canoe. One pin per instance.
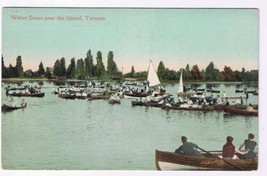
(136, 95)
(173, 161)
(99, 97)
(189, 108)
(233, 110)
(41, 94)
(11, 108)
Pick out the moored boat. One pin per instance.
(233, 110)
(173, 161)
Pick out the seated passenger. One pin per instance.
(229, 149)
(249, 148)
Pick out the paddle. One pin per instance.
(237, 167)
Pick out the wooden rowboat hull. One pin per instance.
(237, 111)
(11, 108)
(172, 161)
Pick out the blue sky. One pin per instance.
(175, 36)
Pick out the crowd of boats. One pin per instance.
(141, 94)
(147, 93)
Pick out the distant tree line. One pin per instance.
(80, 69)
(195, 74)
(86, 69)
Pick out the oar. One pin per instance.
(237, 167)
(214, 151)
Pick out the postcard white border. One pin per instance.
(259, 4)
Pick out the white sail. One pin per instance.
(181, 85)
(152, 76)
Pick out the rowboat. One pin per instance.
(137, 94)
(233, 110)
(173, 161)
(219, 107)
(19, 94)
(11, 108)
(189, 108)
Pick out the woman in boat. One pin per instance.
(188, 148)
(229, 150)
(249, 145)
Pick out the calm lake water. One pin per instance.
(54, 133)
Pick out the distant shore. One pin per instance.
(163, 81)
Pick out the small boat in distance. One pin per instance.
(173, 161)
(153, 85)
(181, 91)
(11, 108)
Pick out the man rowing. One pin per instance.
(188, 148)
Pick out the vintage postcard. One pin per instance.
(130, 89)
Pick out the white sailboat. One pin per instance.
(154, 87)
(153, 80)
(181, 92)
(152, 76)
(181, 85)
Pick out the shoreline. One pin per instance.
(163, 82)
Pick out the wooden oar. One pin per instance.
(237, 167)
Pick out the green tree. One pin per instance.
(11, 71)
(48, 72)
(100, 69)
(62, 67)
(161, 70)
(170, 74)
(195, 73)
(112, 68)
(56, 68)
(212, 73)
(132, 73)
(41, 70)
(187, 73)
(243, 75)
(80, 72)
(228, 74)
(70, 73)
(89, 64)
(19, 69)
(4, 69)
